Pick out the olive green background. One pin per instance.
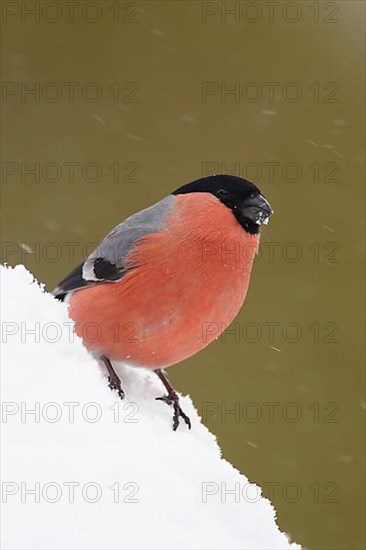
(164, 130)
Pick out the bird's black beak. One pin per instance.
(256, 209)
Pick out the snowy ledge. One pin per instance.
(88, 471)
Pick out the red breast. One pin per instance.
(189, 282)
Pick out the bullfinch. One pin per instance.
(149, 291)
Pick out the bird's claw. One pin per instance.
(173, 399)
(114, 384)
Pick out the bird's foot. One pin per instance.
(115, 384)
(173, 399)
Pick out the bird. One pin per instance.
(146, 295)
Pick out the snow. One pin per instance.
(86, 470)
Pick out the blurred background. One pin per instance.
(108, 106)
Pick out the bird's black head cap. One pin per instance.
(241, 196)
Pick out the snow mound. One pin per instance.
(82, 469)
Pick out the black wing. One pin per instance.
(109, 263)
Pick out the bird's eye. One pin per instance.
(223, 193)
